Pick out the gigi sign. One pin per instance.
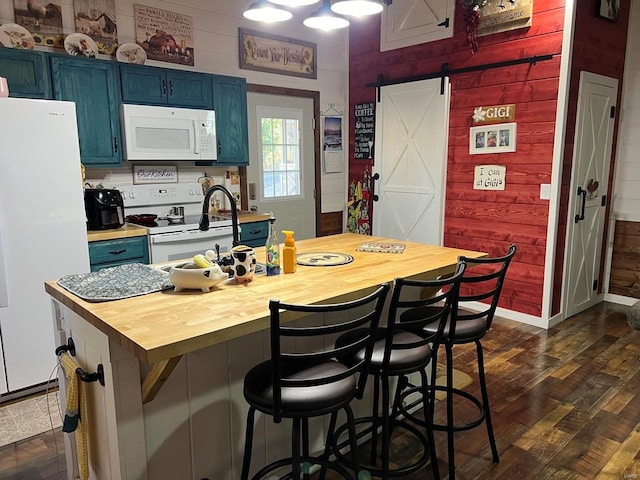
(494, 114)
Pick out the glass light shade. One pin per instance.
(294, 3)
(325, 19)
(263, 11)
(326, 22)
(357, 8)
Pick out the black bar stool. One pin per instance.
(299, 384)
(482, 284)
(404, 347)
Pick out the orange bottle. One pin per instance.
(289, 252)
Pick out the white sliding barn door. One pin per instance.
(412, 121)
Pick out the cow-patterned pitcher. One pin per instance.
(243, 263)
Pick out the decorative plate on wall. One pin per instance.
(323, 259)
(80, 45)
(13, 35)
(131, 53)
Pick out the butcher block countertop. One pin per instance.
(125, 231)
(164, 325)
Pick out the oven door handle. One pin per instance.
(190, 235)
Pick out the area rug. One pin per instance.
(29, 417)
(460, 380)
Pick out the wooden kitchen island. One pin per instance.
(172, 405)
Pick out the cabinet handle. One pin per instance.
(219, 147)
(254, 232)
(117, 252)
(164, 87)
(171, 87)
(115, 144)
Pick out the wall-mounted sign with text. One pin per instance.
(504, 16)
(144, 174)
(494, 114)
(364, 128)
(489, 177)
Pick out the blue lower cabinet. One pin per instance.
(111, 253)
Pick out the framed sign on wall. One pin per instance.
(273, 54)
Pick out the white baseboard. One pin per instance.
(620, 299)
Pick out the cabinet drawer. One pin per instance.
(254, 231)
(119, 251)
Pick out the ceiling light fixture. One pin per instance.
(263, 11)
(357, 8)
(325, 19)
(294, 3)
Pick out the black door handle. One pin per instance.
(584, 201)
(374, 197)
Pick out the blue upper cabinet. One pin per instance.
(27, 73)
(162, 86)
(93, 86)
(230, 104)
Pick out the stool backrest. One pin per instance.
(483, 283)
(416, 304)
(328, 320)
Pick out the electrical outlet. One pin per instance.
(545, 191)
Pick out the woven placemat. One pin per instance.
(116, 283)
(323, 259)
(379, 247)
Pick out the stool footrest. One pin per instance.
(375, 426)
(443, 427)
(311, 460)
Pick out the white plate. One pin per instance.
(131, 53)
(13, 35)
(80, 45)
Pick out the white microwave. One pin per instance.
(167, 133)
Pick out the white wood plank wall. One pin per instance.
(626, 191)
(215, 38)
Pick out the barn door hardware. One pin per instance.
(583, 192)
(381, 82)
(376, 176)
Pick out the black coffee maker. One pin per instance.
(104, 208)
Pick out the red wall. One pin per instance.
(474, 219)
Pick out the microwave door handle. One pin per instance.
(196, 124)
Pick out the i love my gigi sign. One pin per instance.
(494, 114)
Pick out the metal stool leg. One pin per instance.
(450, 424)
(295, 449)
(353, 440)
(485, 403)
(428, 419)
(328, 443)
(248, 444)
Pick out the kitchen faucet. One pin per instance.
(204, 219)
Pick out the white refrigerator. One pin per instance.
(42, 231)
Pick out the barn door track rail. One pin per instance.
(445, 72)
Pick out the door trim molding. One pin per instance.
(294, 92)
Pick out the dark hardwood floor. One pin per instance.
(565, 404)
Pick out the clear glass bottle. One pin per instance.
(272, 249)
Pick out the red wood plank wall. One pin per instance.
(599, 47)
(485, 220)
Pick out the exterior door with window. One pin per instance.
(281, 175)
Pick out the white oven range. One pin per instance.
(175, 239)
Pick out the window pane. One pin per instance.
(280, 146)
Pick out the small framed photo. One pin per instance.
(608, 10)
(495, 138)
